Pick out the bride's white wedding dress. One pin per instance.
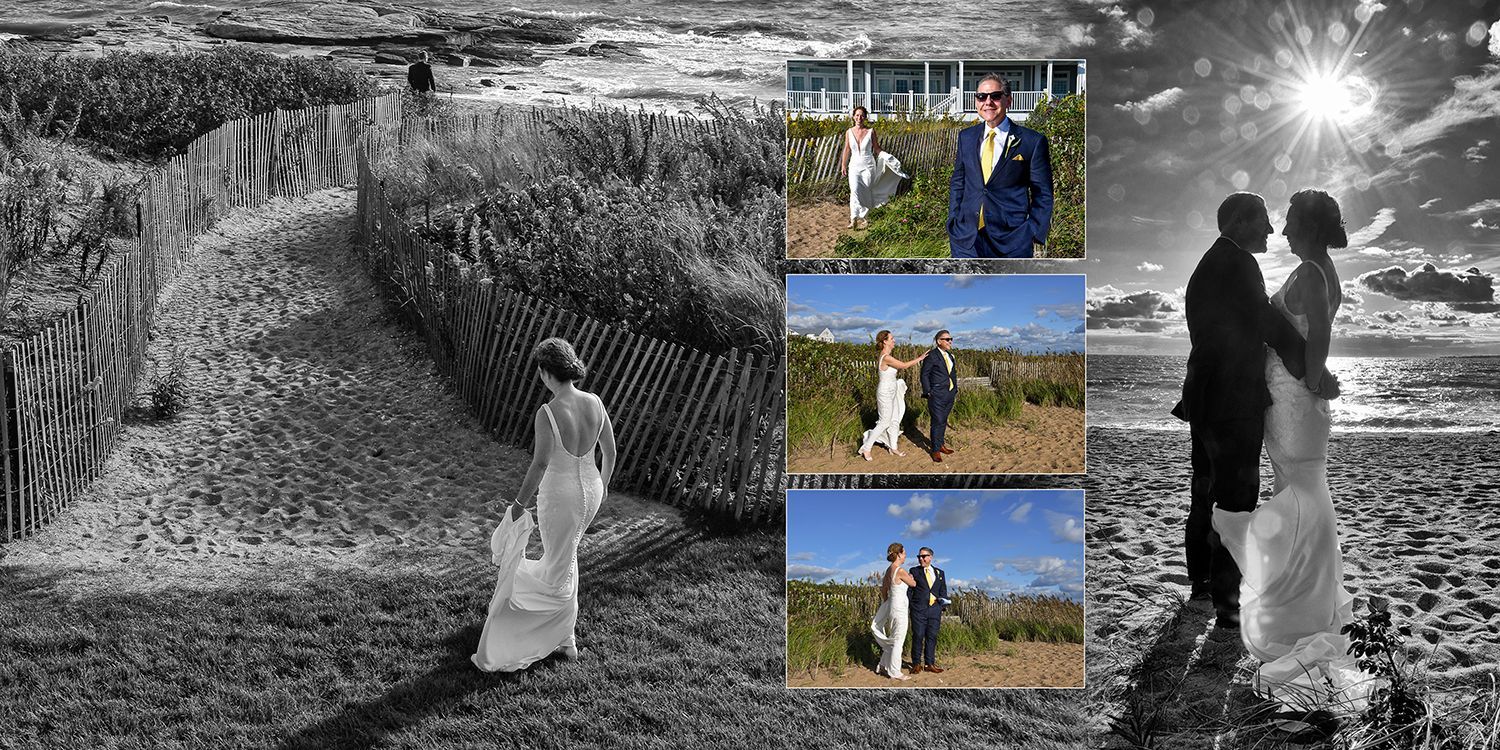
(535, 606)
(1292, 596)
(890, 409)
(889, 629)
(872, 180)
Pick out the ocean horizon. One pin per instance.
(1458, 394)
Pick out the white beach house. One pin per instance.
(892, 88)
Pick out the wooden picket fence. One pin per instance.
(67, 387)
(812, 161)
(697, 429)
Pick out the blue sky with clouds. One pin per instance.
(1032, 313)
(999, 541)
(1393, 107)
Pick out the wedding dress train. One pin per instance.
(1292, 596)
(535, 605)
(889, 629)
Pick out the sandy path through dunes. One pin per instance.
(315, 423)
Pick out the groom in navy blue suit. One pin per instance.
(925, 603)
(1000, 197)
(940, 388)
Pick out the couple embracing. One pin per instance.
(939, 387)
(1257, 375)
(917, 595)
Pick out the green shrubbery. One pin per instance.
(676, 232)
(813, 127)
(828, 625)
(153, 104)
(831, 389)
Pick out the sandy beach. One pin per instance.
(1025, 664)
(813, 228)
(1042, 440)
(1419, 524)
(317, 428)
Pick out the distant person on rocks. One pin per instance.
(419, 75)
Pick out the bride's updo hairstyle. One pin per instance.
(859, 108)
(556, 357)
(894, 551)
(1319, 210)
(881, 337)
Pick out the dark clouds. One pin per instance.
(1146, 311)
(1428, 284)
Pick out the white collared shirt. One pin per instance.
(1001, 133)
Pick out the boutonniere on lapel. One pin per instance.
(1012, 142)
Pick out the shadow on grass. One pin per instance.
(608, 565)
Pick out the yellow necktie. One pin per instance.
(986, 166)
(948, 360)
(931, 598)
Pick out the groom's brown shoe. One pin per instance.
(937, 457)
(945, 450)
(934, 669)
(916, 669)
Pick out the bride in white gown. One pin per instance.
(535, 606)
(1292, 596)
(890, 399)
(891, 619)
(873, 173)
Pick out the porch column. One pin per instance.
(927, 85)
(850, 88)
(869, 88)
(958, 100)
(1048, 86)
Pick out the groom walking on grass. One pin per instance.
(1000, 196)
(940, 388)
(1224, 396)
(925, 603)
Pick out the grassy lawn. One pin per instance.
(682, 631)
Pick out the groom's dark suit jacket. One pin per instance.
(1229, 321)
(1017, 199)
(936, 379)
(917, 595)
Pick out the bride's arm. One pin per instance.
(905, 577)
(899, 365)
(1313, 295)
(607, 448)
(844, 156)
(875, 143)
(542, 447)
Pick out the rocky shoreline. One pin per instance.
(382, 37)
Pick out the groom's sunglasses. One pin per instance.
(980, 96)
(946, 338)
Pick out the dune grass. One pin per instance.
(831, 389)
(682, 636)
(828, 625)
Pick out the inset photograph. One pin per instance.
(935, 158)
(935, 374)
(934, 588)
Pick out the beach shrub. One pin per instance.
(153, 104)
(672, 227)
(1397, 716)
(168, 387)
(1063, 122)
(819, 127)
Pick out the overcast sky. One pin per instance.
(1391, 107)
